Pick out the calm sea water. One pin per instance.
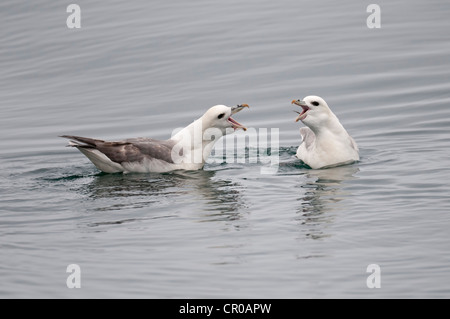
(145, 68)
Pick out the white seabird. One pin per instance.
(326, 143)
(186, 150)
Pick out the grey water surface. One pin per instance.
(145, 68)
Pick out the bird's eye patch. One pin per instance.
(315, 103)
(221, 115)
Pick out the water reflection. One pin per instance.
(167, 194)
(325, 195)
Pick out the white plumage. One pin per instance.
(326, 143)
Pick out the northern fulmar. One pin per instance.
(186, 150)
(326, 143)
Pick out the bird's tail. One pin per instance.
(83, 142)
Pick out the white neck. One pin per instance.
(331, 126)
(197, 141)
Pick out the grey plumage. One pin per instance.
(129, 150)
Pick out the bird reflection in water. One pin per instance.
(169, 194)
(324, 197)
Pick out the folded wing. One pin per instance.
(129, 150)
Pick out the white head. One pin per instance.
(219, 116)
(316, 112)
(195, 142)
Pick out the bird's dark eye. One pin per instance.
(221, 115)
(315, 103)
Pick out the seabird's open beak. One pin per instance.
(302, 104)
(234, 123)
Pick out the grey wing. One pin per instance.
(130, 150)
(150, 148)
(308, 136)
(137, 149)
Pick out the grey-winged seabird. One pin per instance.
(187, 150)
